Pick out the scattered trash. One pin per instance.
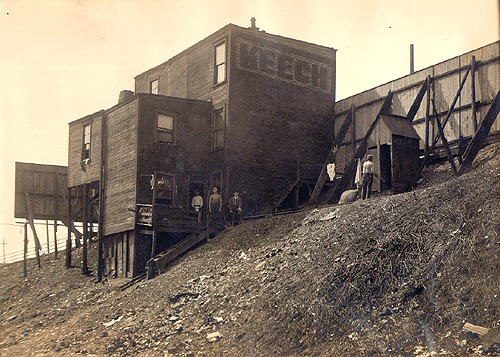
(112, 322)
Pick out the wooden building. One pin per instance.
(459, 91)
(241, 110)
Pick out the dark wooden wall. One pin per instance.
(189, 152)
(120, 167)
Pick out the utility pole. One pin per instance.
(3, 243)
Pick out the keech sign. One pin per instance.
(288, 66)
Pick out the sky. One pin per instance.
(63, 60)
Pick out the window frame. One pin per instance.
(156, 88)
(86, 152)
(159, 176)
(221, 131)
(220, 64)
(159, 129)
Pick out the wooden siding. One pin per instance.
(120, 160)
(276, 125)
(188, 153)
(46, 186)
(79, 173)
(446, 77)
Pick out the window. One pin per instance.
(165, 132)
(86, 143)
(219, 124)
(220, 63)
(153, 87)
(164, 189)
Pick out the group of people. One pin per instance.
(216, 215)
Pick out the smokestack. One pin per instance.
(252, 23)
(412, 59)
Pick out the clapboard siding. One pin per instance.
(446, 77)
(188, 153)
(272, 122)
(120, 168)
(79, 174)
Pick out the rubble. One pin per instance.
(394, 275)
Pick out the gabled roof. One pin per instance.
(399, 125)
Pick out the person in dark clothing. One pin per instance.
(235, 209)
(214, 208)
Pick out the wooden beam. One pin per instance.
(427, 116)
(25, 257)
(68, 240)
(418, 100)
(31, 222)
(85, 269)
(331, 156)
(448, 114)
(361, 151)
(443, 139)
(473, 91)
(450, 110)
(55, 239)
(480, 135)
(67, 222)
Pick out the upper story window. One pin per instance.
(219, 125)
(165, 129)
(220, 63)
(153, 86)
(86, 143)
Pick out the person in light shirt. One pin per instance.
(197, 203)
(367, 180)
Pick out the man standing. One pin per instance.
(367, 180)
(214, 206)
(235, 209)
(197, 203)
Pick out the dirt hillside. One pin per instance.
(397, 275)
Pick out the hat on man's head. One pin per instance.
(369, 157)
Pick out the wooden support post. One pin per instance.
(25, 260)
(481, 134)
(448, 114)
(331, 156)
(473, 92)
(68, 240)
(443, 139)
(55, 239)
(85, 219)
(418, 100)
(427, 116)
(31, 222)
(360, 152)
(48, 243)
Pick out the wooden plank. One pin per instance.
(444, 140)
(473, 91)
(331, 156)
(347, 176)
(159, 263)
(31, 222)
(468, 327)
(418, 100)
(448, 114)
(480, 135)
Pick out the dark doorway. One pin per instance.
(385, 167)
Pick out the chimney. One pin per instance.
(125, 95)
(412, 60)
(252, 24)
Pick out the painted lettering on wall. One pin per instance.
(284, 66)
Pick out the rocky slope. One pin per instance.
(394, 275)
